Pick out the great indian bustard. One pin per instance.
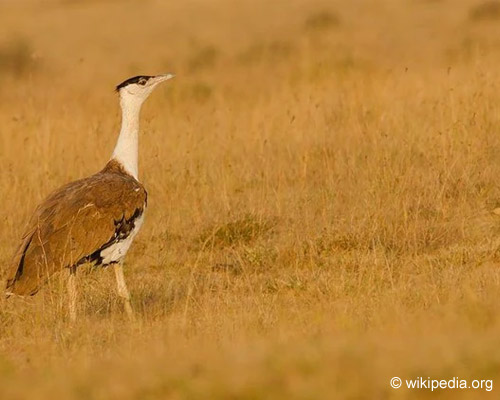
(90, 220)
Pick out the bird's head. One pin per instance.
(138, 88)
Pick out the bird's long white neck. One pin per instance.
(126, 151)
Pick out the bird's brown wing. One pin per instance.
(73, 223)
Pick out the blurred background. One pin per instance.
(93, 43)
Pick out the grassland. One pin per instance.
(323, 179)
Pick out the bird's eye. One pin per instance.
(142, 81)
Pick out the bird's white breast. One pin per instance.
(117, 251)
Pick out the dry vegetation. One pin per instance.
(322, 177)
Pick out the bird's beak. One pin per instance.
(162, 78)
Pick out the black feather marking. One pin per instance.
(123, 228)
(136, 79)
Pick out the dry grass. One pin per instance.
(488, 10)
(322, 177)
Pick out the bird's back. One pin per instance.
(75, 224)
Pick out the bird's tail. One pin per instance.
(21, 287)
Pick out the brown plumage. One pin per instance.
(74, 224)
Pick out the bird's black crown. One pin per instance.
(139, 80)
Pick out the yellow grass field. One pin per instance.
(324, 197)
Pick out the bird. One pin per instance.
(91, 220)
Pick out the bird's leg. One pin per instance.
(72, 293)
(122, 289)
